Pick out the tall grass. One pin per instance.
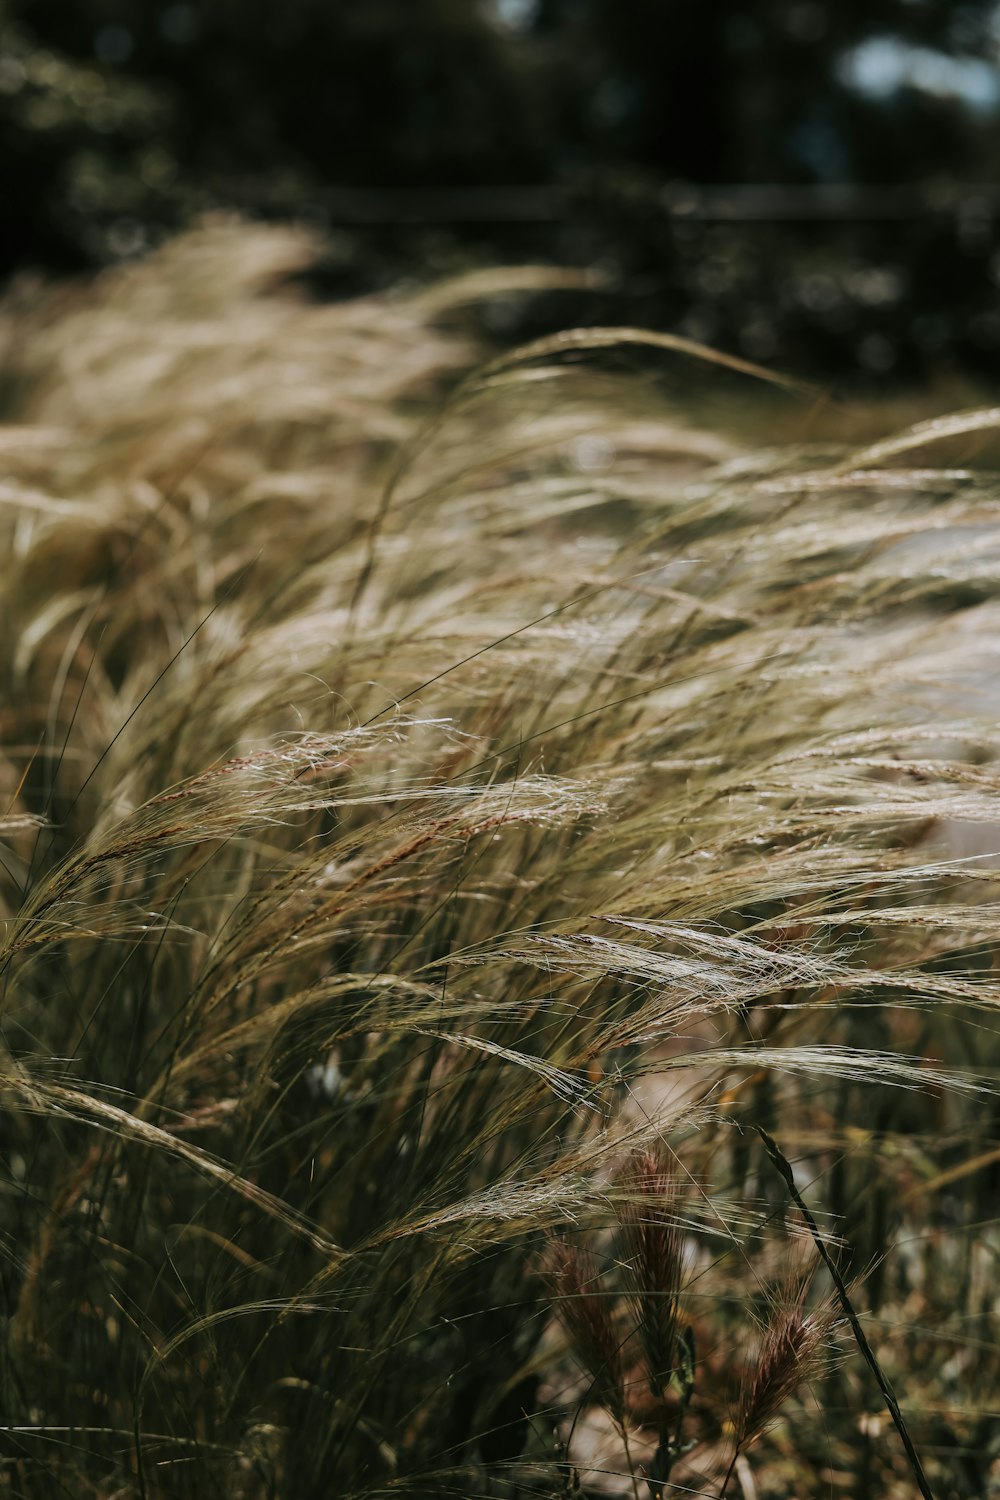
(442, 813)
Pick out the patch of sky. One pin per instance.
(517, 13)
(883, 65)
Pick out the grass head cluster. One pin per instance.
(446, 804)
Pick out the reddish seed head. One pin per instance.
(586, 1316)
(651, 1245)
(791, 1352)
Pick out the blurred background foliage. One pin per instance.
(805, 182)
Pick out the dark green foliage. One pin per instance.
(431, 135)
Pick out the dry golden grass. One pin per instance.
(420, 791)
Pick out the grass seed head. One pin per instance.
(648, 1205)
(584, 1309)
(792, 1349)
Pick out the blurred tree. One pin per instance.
(247, 103)
(75, 148)
(121, 119)
(764, 91)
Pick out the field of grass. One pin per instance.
(450, 806)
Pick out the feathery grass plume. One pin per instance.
(648, 1202)
(784, 1167)
(793, 1347)
(790, 1353)
(583, 1305)
(648, 1210)
(419, 789)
